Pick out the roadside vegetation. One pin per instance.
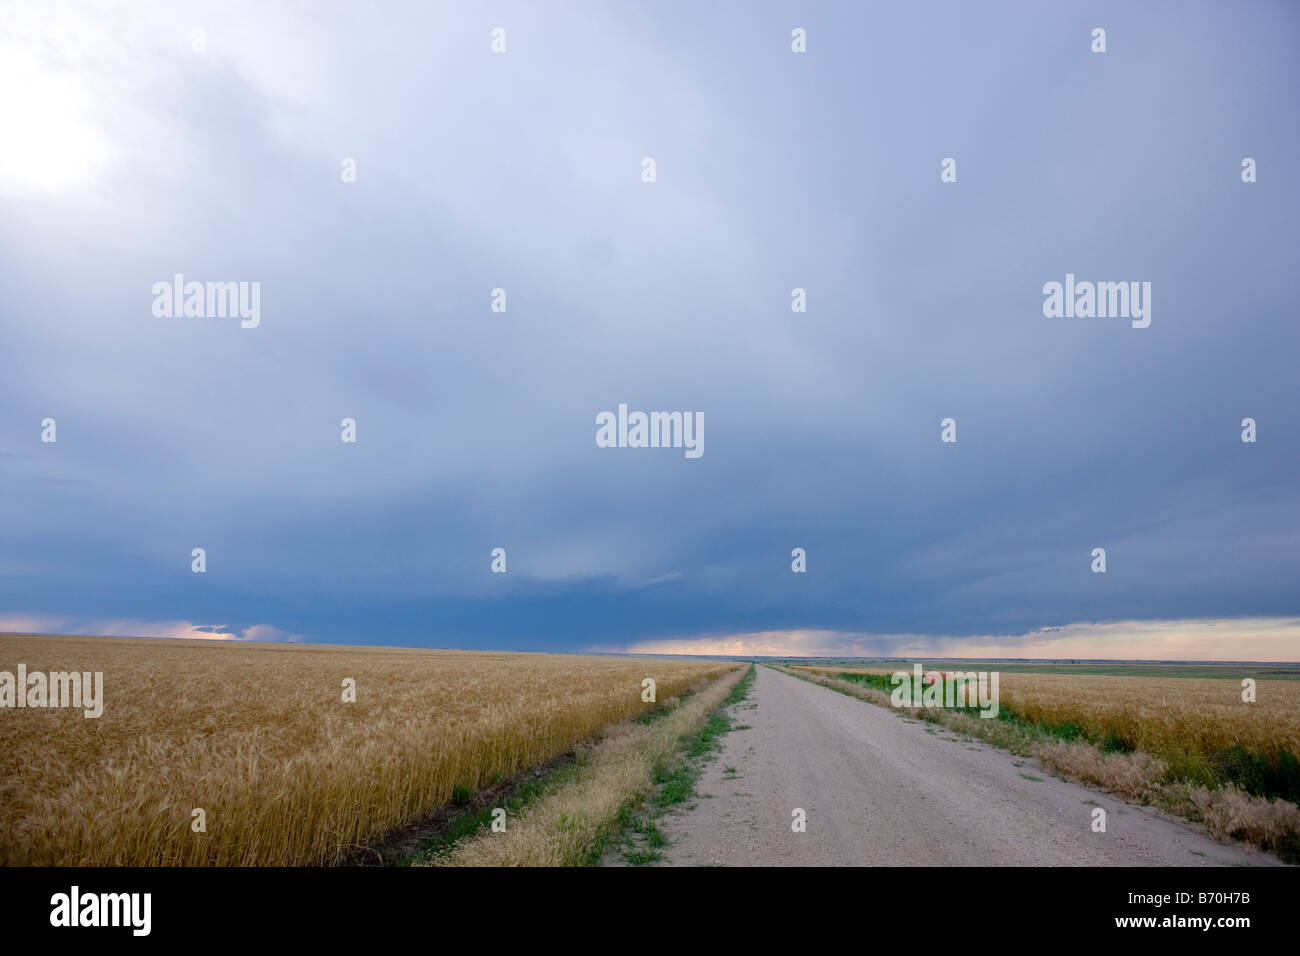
(675, 782)
(573, 821)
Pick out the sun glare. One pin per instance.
(49, 142)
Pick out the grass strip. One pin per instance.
(571, 824)
(436, 836)
(676, 780)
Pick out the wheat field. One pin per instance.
(259, 738)
(1163, 715)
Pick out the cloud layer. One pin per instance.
(221, 160)
(126, 627)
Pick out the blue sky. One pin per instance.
(130, 156)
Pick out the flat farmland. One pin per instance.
(260, 738)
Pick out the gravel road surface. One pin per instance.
(879, 789)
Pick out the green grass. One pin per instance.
(473, 812)
(647, 848)
(650, 716)
(1255, 773)
(469, 821)
(885, 683)
(675, 782)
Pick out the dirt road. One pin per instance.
(881, 790)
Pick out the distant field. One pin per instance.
(1097, 668)
(258, 736)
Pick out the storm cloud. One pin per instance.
(211, 139)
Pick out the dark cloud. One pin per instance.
(775, 171)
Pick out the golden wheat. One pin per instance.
(258, 736)
(1163, 715)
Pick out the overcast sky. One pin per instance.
(133, 148)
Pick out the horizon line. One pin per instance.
(1222, 662)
